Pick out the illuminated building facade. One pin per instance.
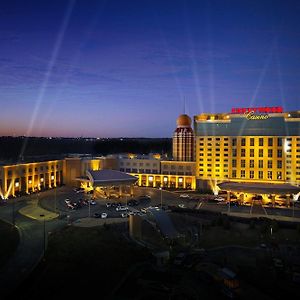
(183, 139)
(29, 177)
(248, 145)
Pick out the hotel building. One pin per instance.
(258, 145)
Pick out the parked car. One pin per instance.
(67, 201)
(181, 205)
(103, 215)
(108, 204)
(121, 208)
(97, 215)
(219, 199)
(184, 196)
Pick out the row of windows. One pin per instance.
(260, 174)
(36, 169)
(140, 164)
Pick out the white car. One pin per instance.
(219, 199)
(184, 196)
(118, 208)
(104, 215)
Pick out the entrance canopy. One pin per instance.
(259, 188)
(110, 178)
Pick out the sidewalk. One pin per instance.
(34, 211)
(272, 217)
(91, 222)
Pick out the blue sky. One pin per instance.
(123, 68)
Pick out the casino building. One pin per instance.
(247, 151)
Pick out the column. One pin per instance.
(184, 184)
(120, 191)
(288, 200)
(27, 183)
(131, 190)
(176, 182)
(228, 196)
(273, 200)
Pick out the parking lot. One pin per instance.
(82, 205)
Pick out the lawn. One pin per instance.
(9, 237)
(83, 260)
(217, 236)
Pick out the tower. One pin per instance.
(183, 139)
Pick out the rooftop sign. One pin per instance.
(264, 110)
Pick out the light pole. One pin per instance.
(13, 212)
(160, 197)
(55, 199)
(44, 227)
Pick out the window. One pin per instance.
(269, 174)
(279, 142)
(233, 142)
(243, 142)
(270, 153)
(251, 174)
(261, 152)
(243, 163)
(243, 174)
(261, 142)
(233, 152)
(260, 164)
(243, 152)
(233, 174)
(251, 152)
(270, 142)
(260, 174)
(234, 163)
(270, 164)
(279, 175)
(279, 153)
(251, 163)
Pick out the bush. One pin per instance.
(274, 225)
(252, 224)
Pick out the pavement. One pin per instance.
(272, 217)
(34, 211)
(92, 222)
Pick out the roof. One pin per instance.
(259, 188)
(110, 177)
(164, 222)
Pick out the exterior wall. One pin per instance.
(178, 168)
(166, 181)
(234, 148)
(29, 177)
(137, 165)
(183, 144)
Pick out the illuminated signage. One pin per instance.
(254, 116)
(257, 110)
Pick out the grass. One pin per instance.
(217, 236)
(92, 260)
(10, 239)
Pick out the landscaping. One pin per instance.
(10, 235)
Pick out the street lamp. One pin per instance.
(44, 227)
(160, 197)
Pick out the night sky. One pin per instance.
(120, 68)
